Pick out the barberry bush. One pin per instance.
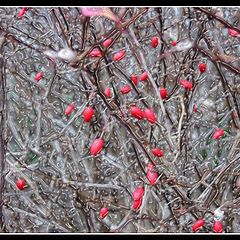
(120, 119)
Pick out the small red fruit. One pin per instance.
(21, 184)
(107, 92)
(138, 193)
(163, 93)
(96, 146)
(103, 212)
(152, 177)
(154, 42)
(38, 76)
(150, 115)
(197, 225)
(134, 79)
(137, 204)
(69, 109)
(233, 32)
(119, 56)
(202, 67)
(144, 76)
(195, 109)
(157, 152)
(218, 133)
(88, 114)
(107, 42)
(125, 89)
(137, 112)
(22, 12)
(174, 43)
(186, 84)
(95, 53)
(217, 227)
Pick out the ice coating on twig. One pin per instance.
(66, 54)
(99, 11)
(184, 45)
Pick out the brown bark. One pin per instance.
(3, 114)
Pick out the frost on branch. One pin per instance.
(119, 128)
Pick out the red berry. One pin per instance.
(144, 76)
(152, 176)
(195, 109)
(38, 76)
(125, 89)
(217, 227)
(69, 109)
(107, 92)
(157, 152)
(88, 114)
(202, 67)
(197, 225)
(134, 79)
(95, 53)
(174, 43)
(218, 134)
(233, 32)
(154, 42)
(103, 212)
(119, 56)
(22, 12)
(107, 42)
(21, 184)
(137, 112)
(150, 115)
(96, 146)
(137, 204)
(186, 84)
(163, 93)
(138, 193)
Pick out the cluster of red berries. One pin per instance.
(136, 112)
(96, 52)
(148, 113)
(143, 77)
(152, 175)
(155, 42)
(189, 85)
(127, 88)
(217, 226)
(88, 114)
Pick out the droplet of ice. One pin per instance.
(209, 103)
(66, 54)
(184, 45)
(218, 214)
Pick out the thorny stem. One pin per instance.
(3, 130)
